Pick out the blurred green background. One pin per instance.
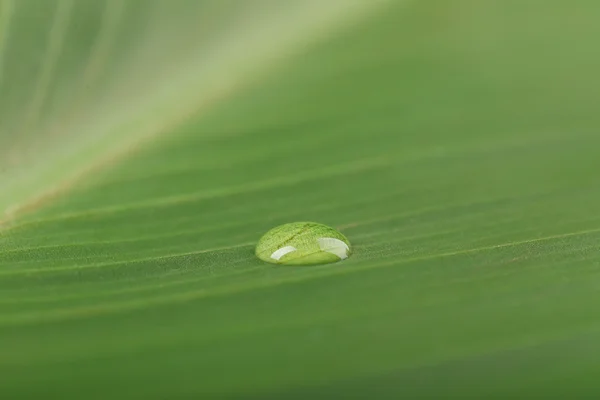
(146, 145)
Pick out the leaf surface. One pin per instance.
(454, 143)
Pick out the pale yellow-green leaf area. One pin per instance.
(84, 82)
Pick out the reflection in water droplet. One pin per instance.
(303, 243)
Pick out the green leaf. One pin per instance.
(147, 145)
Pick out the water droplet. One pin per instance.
(303, 243)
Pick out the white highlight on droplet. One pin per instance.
(334, 246)
(277, 254)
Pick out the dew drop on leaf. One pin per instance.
(303, 243)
